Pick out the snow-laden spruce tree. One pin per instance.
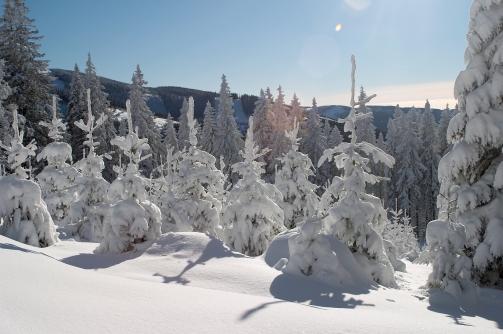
(401, 234)
(409, 175)
(57, 179)
(380, 169)
(297, 112)
(357, 218)
(183, 127)
(25, 72)
(88, 211)
(228, 141)
(313, 142)
(76, 110)
(5, 128)
(333, 140)
(473, 163)
(133, 220)
(209, 131)
(394, 137)
(292, 180)
(251, 218)
(170, 136)
(24, 215)
(101, 106)
(143, 119)
(430, 160)
(192, 202)
(280, 144)
(442, 145)
(263, 128)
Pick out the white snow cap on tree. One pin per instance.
(24, 215)
(133, 220)
(251, 218)
(292, 180)
(357, 218)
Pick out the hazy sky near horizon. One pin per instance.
(406, 51)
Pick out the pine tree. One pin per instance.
(133, 220)
(297, 112)
(443, 146)
(357, 218)
(292, 180)
(366, 131)
(474, 162)
(101, 106)
(5, 127)
(313, 144)
(209, 129)
(183, 128)
(123, 130)
(379, 169)
(25, 72)
(263, 129)
(394, 137)
(410, 173)
(429, 159)
(143, 119)
(334, 139)
(251, 218)
(228, 141)
(170, 136)
(280, 143)
(77, 109)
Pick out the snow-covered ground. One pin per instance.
(193, 283)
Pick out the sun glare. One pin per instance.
(338, 27)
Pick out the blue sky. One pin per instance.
(406, 50)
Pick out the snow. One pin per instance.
(191, 282)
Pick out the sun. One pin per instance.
(338, 27)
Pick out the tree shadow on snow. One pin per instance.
(214, 249)
(99, 261)
(490, 307)
(17, 248)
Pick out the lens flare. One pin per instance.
(338, 27)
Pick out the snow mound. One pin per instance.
(278, 250)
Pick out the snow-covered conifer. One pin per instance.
(133, 220)
(357, 218)
(88, 211)
(209, 129)
(57, 179)
(5, 128)
(280, 143)
(292, 180)
(297, 112)
(409, 175)
(366, 130)
(263, 128)
(429, 159)
(76, 110)
(313, 144)
(443, 146)
(143, 119)
(25, 72)
(170, 136)
(24, 215)
(183, 128)
(123, 130)
(101, 106)
(380, 169)
(192, 202)
(228, 141)
(251, 219)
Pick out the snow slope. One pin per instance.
(191, 282)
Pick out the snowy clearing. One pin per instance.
(193, 282)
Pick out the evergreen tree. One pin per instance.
(474, 162)
(228, 141)
(170, 136)
(334, 139)
(280, 143)
(292, 180)
(183, 127)
(25, 72)
(394, 137)
(76, 110)
(251, 218)
(123, 130)
(313, 144)
(443, 146)
(366, 131)
(357, 218)
(209, 129)
(409, 175)
(297, 112)
(101, 106)
(5, 127)
(379, 169)
(263, 128)
(143, 119)
(429, 159)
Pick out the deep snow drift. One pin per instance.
(193, 282)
